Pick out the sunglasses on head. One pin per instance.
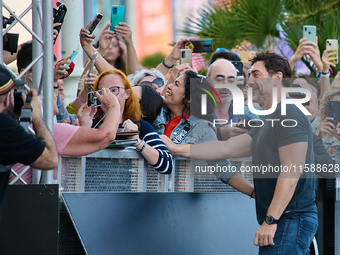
(158, 81)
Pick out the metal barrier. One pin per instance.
(113, 170)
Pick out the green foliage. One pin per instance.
(237, 22)
(153, 60)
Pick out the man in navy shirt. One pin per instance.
(283, 156)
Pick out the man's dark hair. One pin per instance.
(274, 63)
(24, 56)
(224, 54)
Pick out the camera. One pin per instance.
(10, 41)
(18, 103)
(199, 45)
(92, 100)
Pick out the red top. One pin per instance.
(173, 123)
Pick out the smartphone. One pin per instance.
(309, 32)
(94, 22)
(239, 66)
(74, 54)
(332, 45)
(333, 110)
(92, 100)
(185, 57)
(117, 16)
(199, 45)
(58, 16)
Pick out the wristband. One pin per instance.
(167, 65)
(324, 74)
(80, 101)
(56, 87)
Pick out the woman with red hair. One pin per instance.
(148, 142)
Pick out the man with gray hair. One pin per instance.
(152, 77)
(223, 71)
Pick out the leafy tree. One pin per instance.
(255, 24)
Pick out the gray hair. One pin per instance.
(215, 63)
(136, 77)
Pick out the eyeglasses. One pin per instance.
(115, 90)
(158, 81)
(223, 49)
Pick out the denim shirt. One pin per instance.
(201, 131)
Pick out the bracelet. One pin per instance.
(141, 149)
(167, 65)
(137, 144)
(80, 101)
(252, 193)
(57, 87)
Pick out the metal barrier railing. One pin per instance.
(112, 170)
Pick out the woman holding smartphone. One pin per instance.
(324, 128)
(148, 142)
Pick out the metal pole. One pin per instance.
(37, 69)
(47, 77)
(70, 41)
(1, 39)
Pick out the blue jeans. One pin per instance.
(293, 236)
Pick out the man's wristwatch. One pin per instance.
(270, 220)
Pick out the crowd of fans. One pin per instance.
(162, 108)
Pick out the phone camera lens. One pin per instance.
(305, 29)
(309, 33)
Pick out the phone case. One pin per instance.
(186, 57)
(117, 15)
(332, 45)
(309, 32)
(94, 22)
(239, 66)
(199, 45)
(333, 110)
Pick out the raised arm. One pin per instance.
(132, 63)
(49, 158)
(86, 40)
(88, 140)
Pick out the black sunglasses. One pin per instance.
(158, 81)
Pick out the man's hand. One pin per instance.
(265, 234)
(35, 104)
(229, 131)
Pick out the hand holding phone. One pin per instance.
(117, 16)
(309, 32)
(333, 111)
